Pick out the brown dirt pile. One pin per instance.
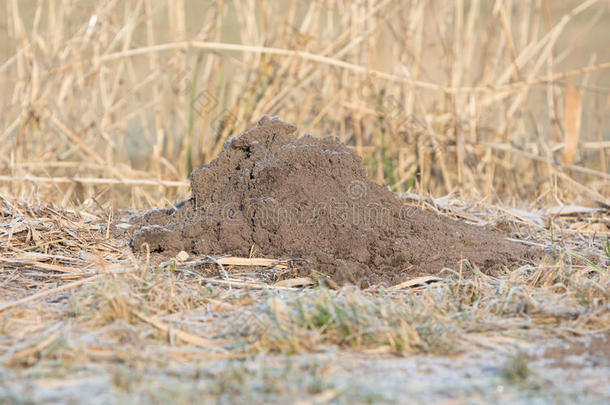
(280, 196)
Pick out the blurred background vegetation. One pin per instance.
(113, 103)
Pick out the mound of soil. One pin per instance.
(276, 195)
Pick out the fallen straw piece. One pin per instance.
(295, 282)
(185, 336)
(416, 282)
(40, 265)
(30, 351)
(244, 261)
(96, 180)
(245, 284)
(42, 294)
(233, 261)
(59, 289)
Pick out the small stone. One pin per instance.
(182, 256)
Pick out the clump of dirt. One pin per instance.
(276, 195)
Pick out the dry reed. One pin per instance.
(440, 97)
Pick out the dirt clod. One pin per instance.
(281, 196)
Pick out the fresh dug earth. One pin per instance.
(271, 194)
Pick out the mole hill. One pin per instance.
(283, 196)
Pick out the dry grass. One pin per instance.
(67, 259)
(72, 296)
(466, 96)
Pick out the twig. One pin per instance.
(241, 261)
(59, 289)
(94, 180)
(35, 349)
(222, 268)
(244, 284)
(508, 148)
(187, 337)
(40, 265)
(220, 46)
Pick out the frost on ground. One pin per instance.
(82, 318)
(511, 374)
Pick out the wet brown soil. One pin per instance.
(272, 194)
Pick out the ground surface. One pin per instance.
(477, 376)
(111, 104)
(81, 316)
